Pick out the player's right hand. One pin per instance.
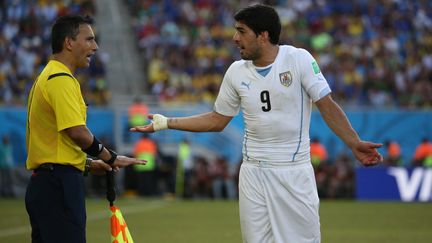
(159, 122)
(367, 153)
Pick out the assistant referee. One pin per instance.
(58, 139)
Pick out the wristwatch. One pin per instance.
(113, 157)
(87, 166)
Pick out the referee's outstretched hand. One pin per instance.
(99, 167)
(123, 161)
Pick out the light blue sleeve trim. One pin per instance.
(324, 92)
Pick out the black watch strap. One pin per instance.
(113, 157)
(87, 166)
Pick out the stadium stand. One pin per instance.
(25, 48)
(373, 53)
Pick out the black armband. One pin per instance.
(95, 148)
(113, 157)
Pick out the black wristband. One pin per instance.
(113, 157)
(95, 148)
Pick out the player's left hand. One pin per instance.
(367, 153)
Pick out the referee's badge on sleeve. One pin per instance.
(285, 78)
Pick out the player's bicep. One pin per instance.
(221, 119)
(228, 100)
(312, 78)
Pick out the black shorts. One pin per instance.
(55, 202)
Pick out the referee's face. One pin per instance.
(84, 46)
(247, 42)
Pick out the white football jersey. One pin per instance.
(276, 107)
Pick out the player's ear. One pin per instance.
(264, 36)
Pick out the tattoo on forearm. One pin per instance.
(172, 121)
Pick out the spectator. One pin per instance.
(382, 47)
(319, 161)
(25, 40)
(393, 154)
(423, 154)
(137, 114)
(201, 184)
(341, 184)
(166, 175)
(318, 153)
(223, 185)
(184, 170)
(146, 149)
(6, 164)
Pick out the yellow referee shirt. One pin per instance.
(54, 104)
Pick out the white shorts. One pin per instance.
(278, 203)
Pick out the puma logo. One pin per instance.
(245, 84)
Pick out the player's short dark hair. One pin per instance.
(260, 18)
(66, 26)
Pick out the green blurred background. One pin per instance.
(163, 221)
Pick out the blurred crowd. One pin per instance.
(373, 53)
(25, 28)
(185, 174)
(193, 176)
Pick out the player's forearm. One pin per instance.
(340, 125)
(338, 122)
(206, 122)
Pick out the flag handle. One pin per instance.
(110, 193)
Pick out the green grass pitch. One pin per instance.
(159, 221)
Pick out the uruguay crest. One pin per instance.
(285, 78)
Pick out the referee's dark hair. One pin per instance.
(260, 18)
(66, 26)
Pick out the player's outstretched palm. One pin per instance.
(146, 128)
(367, 153)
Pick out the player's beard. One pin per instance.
(253, 54)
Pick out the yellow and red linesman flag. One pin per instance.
(119, 230)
